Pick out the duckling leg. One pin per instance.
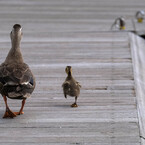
(75, 103)
(8, 113)
(21, 110)
(65, 96)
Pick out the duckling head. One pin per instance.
(68, 70)
(16, 32)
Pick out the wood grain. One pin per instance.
(59, 33)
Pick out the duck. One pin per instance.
(71, 87)
(16, 79)
(119, 23)
(140, 15)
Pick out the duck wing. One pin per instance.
(71, 88)
(17, 80)
(78, 84)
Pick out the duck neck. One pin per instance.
(16, 43)
(69, 75)
(14, 54)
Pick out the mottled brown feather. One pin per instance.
(16, 78)
(71, 87)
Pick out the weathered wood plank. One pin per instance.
(59, 33)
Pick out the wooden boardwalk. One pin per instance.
(107, 111)
(56, 34)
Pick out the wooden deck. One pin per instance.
(60, 33)
(107, 105)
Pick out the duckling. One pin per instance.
(71, 87)
(16, 78)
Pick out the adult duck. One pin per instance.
(16, 78)
(119, 23)
(71, 87)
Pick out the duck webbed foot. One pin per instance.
(74, 105)
(19, 113)
(9, 114)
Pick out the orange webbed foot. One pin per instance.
(9, 114)
(19, 113)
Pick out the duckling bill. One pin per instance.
(71, 87)
(16, 78)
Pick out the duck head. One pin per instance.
(140, 15)
(16, 33)
(68, 70)
(119, 23)
(122, 23)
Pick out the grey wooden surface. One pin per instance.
(138, 53)
(59, 33)
(107, 105)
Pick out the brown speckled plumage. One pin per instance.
(16, 78)
(71, 87)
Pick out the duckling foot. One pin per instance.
(74, 105)
(9, 114)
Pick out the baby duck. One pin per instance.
(16, 78)
(71, 87)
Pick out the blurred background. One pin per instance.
(39, 18)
